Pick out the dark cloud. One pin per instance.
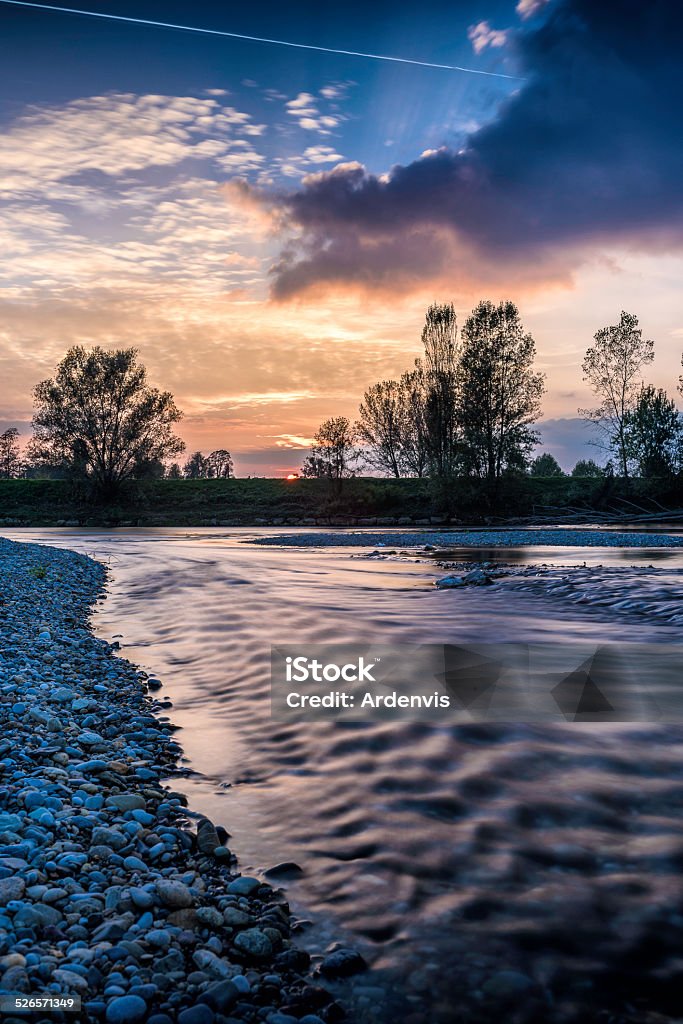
(588, 150)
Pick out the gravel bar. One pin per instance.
(477, 539)
(108, 891)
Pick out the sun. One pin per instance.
(292, 476)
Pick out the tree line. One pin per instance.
(469, 405)
(467, 408)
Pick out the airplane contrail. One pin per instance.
(257, 39)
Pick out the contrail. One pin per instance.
(257, 39)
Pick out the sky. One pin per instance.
(268, 224)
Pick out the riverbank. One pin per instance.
(107, 892)
(360, 501)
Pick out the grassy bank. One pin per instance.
(362, 501)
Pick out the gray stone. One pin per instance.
(254, 943)
(236, 918)
(207, 837)
(210, 917)
(174, 894)
(110, 837)
(11, 889)
(127, 802)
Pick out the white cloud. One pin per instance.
(482, 35)
(308, 115)
(527, 8)
(115, 135)
(321, 155)
(299, 165)
(303, 101)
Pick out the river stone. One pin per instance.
(254, 943)
(342, 963)
(212, 964)
(10, 822)
(199, 1014)
(185, 918)
(12, 960)
(126, 1010)
(174, 894)
(210, 917)
(507, 985)
(207, 837)
(220, 995)
(127, 802)
(90, 739)
(110, 837)
(11, 889)
(287, 869)
(450, 581)
(245, 885)
(159, 938)
(141, 898)
(15, 979)
(236, 918)
(70, 979)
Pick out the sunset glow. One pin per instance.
(206, 205)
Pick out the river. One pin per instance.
(447, 854)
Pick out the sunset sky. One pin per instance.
(267, 224)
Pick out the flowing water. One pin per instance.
(445, 853)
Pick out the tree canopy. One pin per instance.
(499, 391)
(99, 420)
(545, 464)
(612, 367)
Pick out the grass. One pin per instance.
(250, 502)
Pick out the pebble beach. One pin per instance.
(111, 892)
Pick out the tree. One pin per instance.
(653, 434)
(333, 452)
(216, 465)
(612, 368)
(379, 428)
(413, 426)
(545, 465)
(439, 337)
(174, 472)
(100, 421)
(587, 468)
(195, 467)
(10, 461)
(219, 465)
(499, 392)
